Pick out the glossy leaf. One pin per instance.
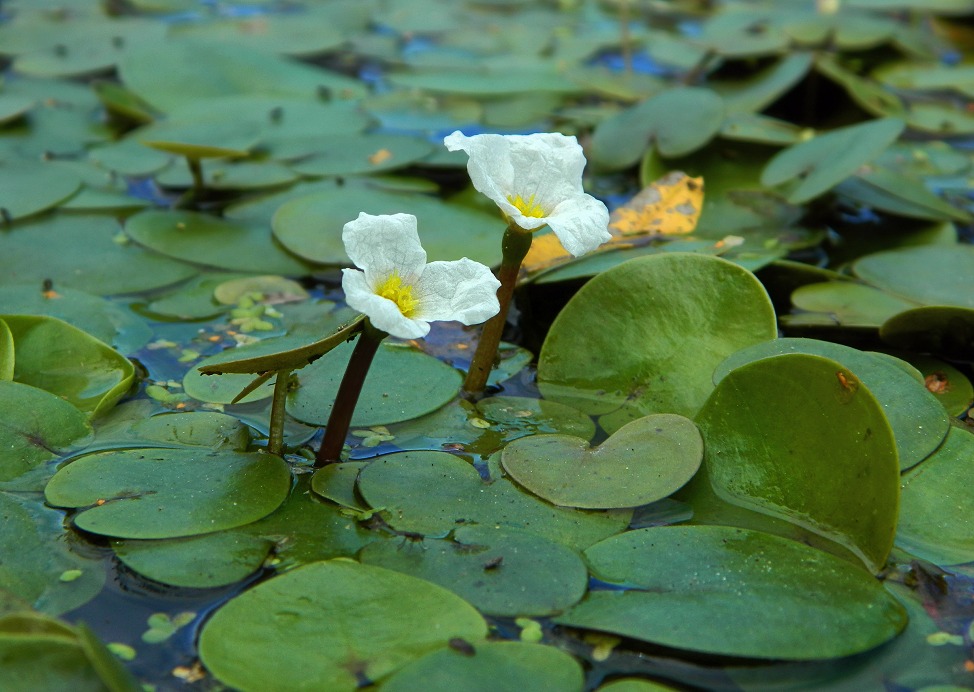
(435, 492)
(707, 589)
(641, 462)
(817, 474)
(343, 607)
(682, 314)
(917, 419)
(168, 493)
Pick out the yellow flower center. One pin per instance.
(528, 207)
(399, 293)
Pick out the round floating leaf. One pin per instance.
(947, 331)
(198, 562)
(937, 505)
(734, 592)
(27, 531)
(634, 685)
(880, 188)
(849, 304)
(92, 255)
(200, 140)
(167, 493)
(205, 239)
(230, 175)
(61, 359)
(951, 387)
(826, 160)
(402, 383)
(138, 424)
(168, 75)
(293, 33)
(797, 437)
(355, 154)
(929, 274)
(664, 323)
(344, 609)
(919, 422)
(37, 427)
(502, 572)
(105, 320)
(29, 187)
(492, 666)
(677, 121)
(129, 157)
(643, 461)
(311, 226)
(304, 529)
(223, 389)
(435, 492)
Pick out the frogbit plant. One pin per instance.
(536, 181)
(400, 294)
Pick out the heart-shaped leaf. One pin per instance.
(345, 609)
(799, 437)
(641, 462)
(735, 592)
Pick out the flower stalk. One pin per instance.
(275, 438)
(515, 246)
(348, 393)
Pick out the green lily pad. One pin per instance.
(402, 383)
(929, 274)
(310, 31)
(343, 607)
(168, 75)
(759, 89)
(432, 493)
(231, 175)
(41, 654)
(634, 685)
(491, 666)
(937, 504)
(26, 531)
(502, 572)
(138, 423)
(199, 562)
(6, 352)
(305, 529)
(676, 122)
(654, 351)
(900, 194)
(37, 428)
(14, 106)
(200, 140)
(311, 226)
(826, 160)
(818, 474)
(103, 319)
(351, 154)
(951, 386)
(641, 462)
(947, 331)
(849, 304)
(168, 493)
(30, 187)
(204, 239)
(193, 300)
(708, 589)
(487, 426)
(129, 157)
(918, 420)
(61, 359)
(93, 255)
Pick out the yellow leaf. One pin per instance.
(670, 206)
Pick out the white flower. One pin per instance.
(536, 180)
(398, 291)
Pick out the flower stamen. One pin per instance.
(528, 206)
(401, 294)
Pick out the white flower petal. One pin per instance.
(461, 290)
(543, 170)
(581, 224)
(381, 245)
(382, 312)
